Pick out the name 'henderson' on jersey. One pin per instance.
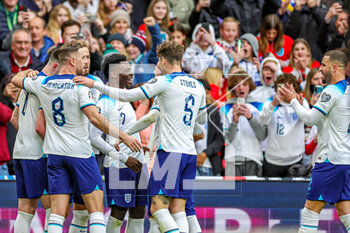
(181, 97)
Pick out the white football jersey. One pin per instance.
(285, 144)
(122, 115)
(29, 144)
(334, 128)
(95, 95)
(180, 98)
(66, 125)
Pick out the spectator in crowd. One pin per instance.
(208, 148)
(247, 12)
(300, 61)
(304, 22)
(120, 23)
(70, 30)
(229, 33)
(203, 14)
(270, 68)
(272, 40)
(284, 11)
(314, 80)
(8, 95)
(5, 116)
(81, 8)
(105, 10)
(9, 15)
(136, 48)
(118, 42)
(41, 8)
(331, 34)
(178, 33)
(159, 10)
(58, 16)
(181, 10)
(243, 132)
(247, 57)
(217, 83)
(204, 52)
(19, 57)
(40, 42)
(285, 143)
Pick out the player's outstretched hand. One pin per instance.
(132, 143)
(80, 80)
(134, 164)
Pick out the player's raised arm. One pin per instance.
(17, 80)
(104, 125)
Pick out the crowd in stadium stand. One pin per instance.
(241, 50)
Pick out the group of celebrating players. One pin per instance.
(56, 145)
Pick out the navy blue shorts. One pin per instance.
(31, 178)
(173, 175)
(73, 175)
(125, 188)
(329, 183)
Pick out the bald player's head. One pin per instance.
(37, 29)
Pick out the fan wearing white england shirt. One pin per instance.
(182, 102)
(29, 161)
(330, 181)
(72, 166)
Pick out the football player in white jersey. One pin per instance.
(72, 166)
(121, 196)
(330, 181)
(29, 160)
(182, 102)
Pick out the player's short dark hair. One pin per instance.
(337, 57)
(67, 49)
(288, 78)
(112, 58)
(52, 55)
(171, 51)
(69, 23)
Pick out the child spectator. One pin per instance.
(247, 57)
(301, 60)
(204, 52)
(160, 11)
(269, 70)
(118, 42)
(243, 132)
(272, 40)
(120, 23)
(58, 16)
(285, 143)
(314, 78)
(178, 33)
(229, 32)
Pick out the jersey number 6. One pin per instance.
(188, 111)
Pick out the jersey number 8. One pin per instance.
(57, 111)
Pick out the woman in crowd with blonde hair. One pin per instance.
(58, 16)
(301, 60)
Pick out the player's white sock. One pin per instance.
(181, 220)
(79, 222)
(55, 223)
(309, 221)
(135, 225)
(194, 224)
(113, 225)
(165, 221)
(153, 228)
(23, 221)
(345, 219)
(97, 223)
(47, 216)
